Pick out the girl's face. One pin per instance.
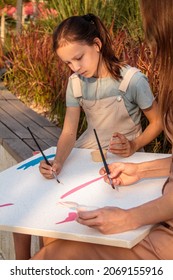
(81, 58)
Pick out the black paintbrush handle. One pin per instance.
(101, 152)
(104, 160)
(45, 158)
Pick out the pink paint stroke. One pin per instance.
(71, 217)
(7, 204)
(81, 186)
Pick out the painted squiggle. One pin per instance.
(7, 204)
(71, 217)
(81, 186)
(34, 162)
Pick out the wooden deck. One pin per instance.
(15, 117)
(16, 145)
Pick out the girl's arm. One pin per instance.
(120, 145)
(68, 136)
(153, 129)
(65, 143)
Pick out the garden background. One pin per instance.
(35, 74)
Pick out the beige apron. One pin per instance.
(106, 115)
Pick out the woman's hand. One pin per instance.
(122, 174)
(121, 146)
(48, 170)
(107, 220)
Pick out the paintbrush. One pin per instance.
(104, 160)
(45, 158)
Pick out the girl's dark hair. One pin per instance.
(85, 29)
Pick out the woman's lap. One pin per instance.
(157, 245)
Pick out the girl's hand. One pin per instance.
(56, 166)
(122, 174)
(107, 220)
(47, 170)
(121, 146)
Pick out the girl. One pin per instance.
(111, 93)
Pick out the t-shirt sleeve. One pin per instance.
(140, 90)
(71, 101)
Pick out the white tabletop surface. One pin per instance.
(29, 203)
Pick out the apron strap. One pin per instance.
(76, 85)
(127, 77)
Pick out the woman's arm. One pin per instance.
(128, 173)
(109, 220)
(155, 211)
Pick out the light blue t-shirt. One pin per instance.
(137, 97)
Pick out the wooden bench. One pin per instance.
(15, 117)
(16, 145)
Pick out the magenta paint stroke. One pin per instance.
(71, 217)
(7, 204)
(81, 186)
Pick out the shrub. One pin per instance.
(36, 76)
(39, 77)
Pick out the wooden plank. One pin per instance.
(8, 95)
(17, 149)
(44, 143)
(41, 133)
(14, 119)
(15, 144)
(1, 96)
(21, 150)
(34, 147)
(49, 141)
(13, 125)
(56, 131)
(18, 122)
(30, 113)
(5, 132)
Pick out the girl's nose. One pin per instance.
(76, 67)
